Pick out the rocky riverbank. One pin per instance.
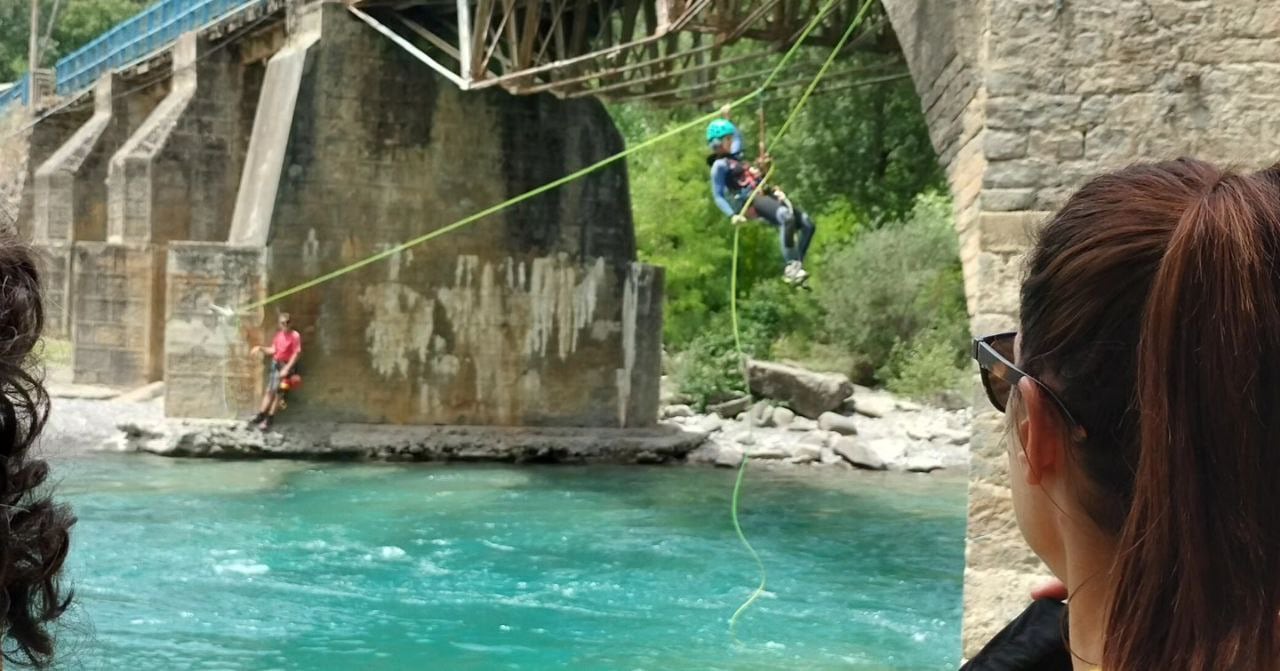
(806, 419)
(875, 431)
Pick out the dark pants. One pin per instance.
(795, 228)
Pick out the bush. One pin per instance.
(927, 368)
(709, 370)
(895, 284)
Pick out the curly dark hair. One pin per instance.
(34, 530)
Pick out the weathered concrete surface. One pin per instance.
(23, 148)
(1025, 100)
(330, 441)
(206, 353)
(269, 137)
(538, 315)
(70, 186)
(176, 177)
(118, 341)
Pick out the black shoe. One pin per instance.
(256, 418)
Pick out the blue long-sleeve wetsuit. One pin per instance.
(730, 196)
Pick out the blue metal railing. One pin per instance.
(147, 32)
(155, 28)
(16, 93)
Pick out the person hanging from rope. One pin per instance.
(285, 350)
(732, 182)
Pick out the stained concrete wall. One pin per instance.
(207, 368)
(1025, 100)
(117, 288)
(536, 316)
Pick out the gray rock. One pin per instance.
(922, 464)
(768, 452)
(783, 417)
(830, 421)
(731, 408)
(729, 457)
(830, 458)
(888, 450)
(951, 400)
(673, 411)
(803, 454)
(875, 406)
(858, 455)
(802, 424)
(708, 424)
(745, 438)
(952, 436)
(819, 438)
(806, 392)
(761, 414)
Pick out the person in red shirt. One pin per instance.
(284, 351)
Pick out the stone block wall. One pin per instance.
(207, 368)
(1025, 101)
(115, 288)
(538, 315)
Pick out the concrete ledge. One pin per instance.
(221, 439)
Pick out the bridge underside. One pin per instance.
(660, 51)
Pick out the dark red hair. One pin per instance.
(1152, 307)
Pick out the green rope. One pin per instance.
(733, 307)
(515, 200)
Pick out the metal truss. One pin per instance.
(662, 51)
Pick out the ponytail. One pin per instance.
(1152, 306)
(1198, 572)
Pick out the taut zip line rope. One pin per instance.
(573, 176)
(733, 308)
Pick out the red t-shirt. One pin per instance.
(286, 344)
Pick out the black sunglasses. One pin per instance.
(995, 355)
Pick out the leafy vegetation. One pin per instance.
(74, 24)
(888, 302)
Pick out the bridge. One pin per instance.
(263, 143)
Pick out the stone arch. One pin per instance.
(1025, 99)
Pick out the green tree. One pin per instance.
(75, 23)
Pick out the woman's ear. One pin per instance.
(1040, 430)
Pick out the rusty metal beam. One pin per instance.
(608, 73)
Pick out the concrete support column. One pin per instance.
(117, 290)
(69, 198)
(207, 368)
(176, 177)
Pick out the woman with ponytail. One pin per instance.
(1142, 393)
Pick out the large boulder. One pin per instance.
(807, 393)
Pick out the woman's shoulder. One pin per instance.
(1034, 641)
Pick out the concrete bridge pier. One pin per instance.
(174, 178)
(536, 315)
(69, 195)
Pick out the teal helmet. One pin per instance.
(720, 128)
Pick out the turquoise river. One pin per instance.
(273, 565)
